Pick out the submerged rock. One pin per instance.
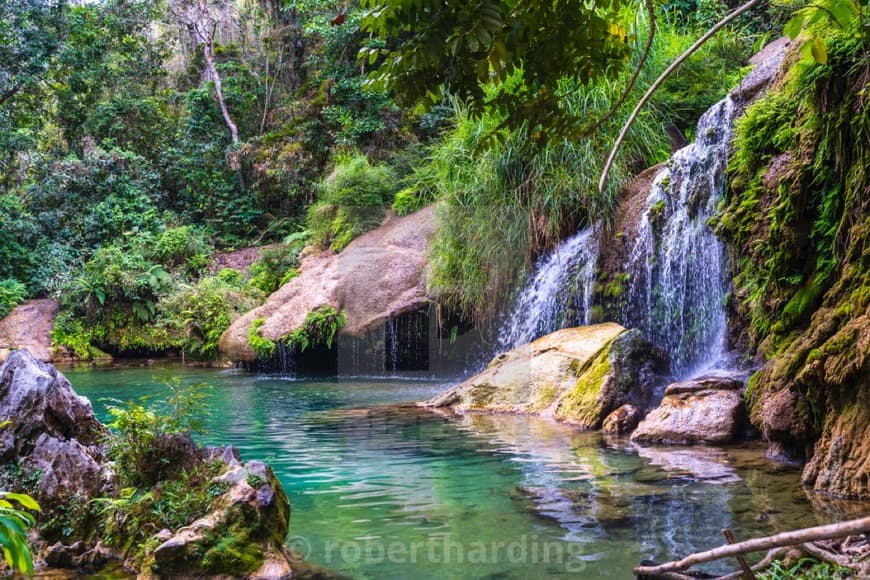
(379, 275)
(623, 420)
(577, 375)
(703, 410)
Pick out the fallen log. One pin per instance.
(792, 538)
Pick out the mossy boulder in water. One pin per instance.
(577, 375)
(243, 534)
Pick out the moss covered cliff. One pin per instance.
(797, 222)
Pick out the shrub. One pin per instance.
(320, 327)
(12, 293)
(351, 201)
(182, 246)
(276, 266)
(264, 347)
(141, 436)
(198, 315)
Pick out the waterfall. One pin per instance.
(677, 272)
(679, 282)
(557, 295)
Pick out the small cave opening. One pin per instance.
(318, 360)
(406, 342)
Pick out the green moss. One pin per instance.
(264, 347)
(234, 552)
(482, 396)
(581, 404)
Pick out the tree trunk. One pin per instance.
(208, 51)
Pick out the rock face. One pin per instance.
(703, 410)
(57, 441)
(576, 375)
(243, 534)
(52, 430)
(29, 326)
(379, 275)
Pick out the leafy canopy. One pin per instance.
(458, 46)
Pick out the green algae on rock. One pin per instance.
(576, 375)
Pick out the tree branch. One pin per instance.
(628, 87)
(792, 538)
(674, 65)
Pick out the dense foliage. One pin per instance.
(140, 138)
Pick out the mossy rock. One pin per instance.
(577, 375)
(244, 532)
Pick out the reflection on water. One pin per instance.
(400, 492)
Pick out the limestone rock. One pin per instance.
(38, 399)
(242, 536)
(29, 326)
(623, 420)
(52, 430)
(841, 459)
(67, 469)
(703, 410)
(379, 275)
(577, 375)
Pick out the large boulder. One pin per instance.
(52, 431)
(29, 326)
(242, 535)
(577, 375)
(378, 276)
(702, 410)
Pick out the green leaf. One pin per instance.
(794, 26)
(24, 500)
(818, 50)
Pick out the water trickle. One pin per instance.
(557, 295)
(677, 269)
(679, 281)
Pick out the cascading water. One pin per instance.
(558, 294)
(679, 281)
(677, 269)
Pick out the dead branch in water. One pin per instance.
(792, 538)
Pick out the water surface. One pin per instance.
(402, 493)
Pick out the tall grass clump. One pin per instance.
(508, 196)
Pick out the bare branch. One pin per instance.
(674, 65)
(792, 538)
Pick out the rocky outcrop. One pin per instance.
(703, 410)
(798, 223)
(577, 375)
(57, 445)
(243, 534)
(29, 326)
(52, 431)
(379, 275)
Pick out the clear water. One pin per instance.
(404, 493)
